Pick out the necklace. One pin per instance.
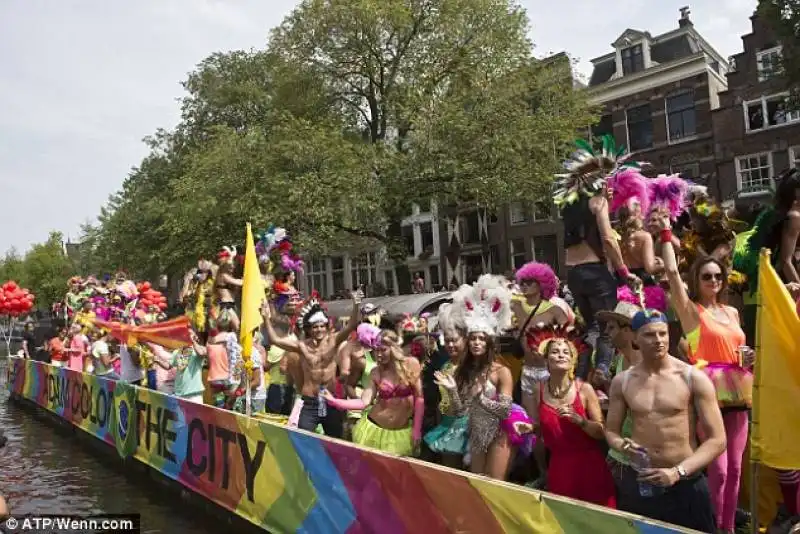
(556, 394)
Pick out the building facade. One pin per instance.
(657, 94)
(336, 275)
(755, 137)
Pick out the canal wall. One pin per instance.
(284, 480)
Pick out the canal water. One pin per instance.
(46, 471)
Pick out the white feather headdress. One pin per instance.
(485, 306)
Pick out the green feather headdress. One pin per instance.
(587, 170)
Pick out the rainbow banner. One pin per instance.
(286, 480)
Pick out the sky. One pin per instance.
(82, 83)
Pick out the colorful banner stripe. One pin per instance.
(290, 481)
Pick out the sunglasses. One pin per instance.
(527, 282)
(707, 277)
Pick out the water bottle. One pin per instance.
(639, 462)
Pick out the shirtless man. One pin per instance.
(317, 363)
(666, 399)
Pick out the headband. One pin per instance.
(317, 317)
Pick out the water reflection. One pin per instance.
(46, 471)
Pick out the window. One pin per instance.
(470, 228)
(317, 277)
(681, 121)
(433, 278)
(517, 213)
(632, 59)
(767, 112)
(640, 127)
(688, 171)
(754, 172)
(337, 268)
(516, 252)
(769, 63)
(362, 269)
(545, 250)
(541, 211)
(473, 268)
(407, 234)
(604, 127)
(426, 232)
(494, 258)
(388, 280)
(794, 156)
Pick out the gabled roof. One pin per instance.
(630, 36)
(665, 48)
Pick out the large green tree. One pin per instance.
(783, 17)
(44, 270)
(356, 110)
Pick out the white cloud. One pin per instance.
(83, 82)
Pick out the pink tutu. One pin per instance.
(525, 442)
(733, 384)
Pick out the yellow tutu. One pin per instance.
(368, 434)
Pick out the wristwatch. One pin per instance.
(681, 472)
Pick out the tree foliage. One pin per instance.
(356, 110)
(44, 270)
(783, 17)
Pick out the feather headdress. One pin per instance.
(313, 312)
(275, 249)
(227, 255)
(668, 193)
(587, 171)
(485, 305)
(538, 338)
(628, 185)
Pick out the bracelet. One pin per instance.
(666, 235)
(623, 272)
(584, 422)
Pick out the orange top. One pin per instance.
(218, 364)
(713, 341)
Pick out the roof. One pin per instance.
(665, 48)
(395, 306)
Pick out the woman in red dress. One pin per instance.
(571, 426)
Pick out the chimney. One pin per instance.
(684, 21)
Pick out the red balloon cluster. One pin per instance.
(15, 300)
(150, 297)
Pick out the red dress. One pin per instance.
(577, 466)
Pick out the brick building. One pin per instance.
(658, 93)
(755, 137)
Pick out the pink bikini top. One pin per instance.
(387, 390)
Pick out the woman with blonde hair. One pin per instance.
(392, 400)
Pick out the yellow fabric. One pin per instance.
(776, 391)
(252, 296)
(368, 434)
(769, 491)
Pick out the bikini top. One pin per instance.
(387, 390)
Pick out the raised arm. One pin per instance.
(648, 253)
(599, 207)
(285, 343)
(684, 308)
(355, 318)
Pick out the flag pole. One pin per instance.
(754, 485)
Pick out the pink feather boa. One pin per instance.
(655, 298)
(626, 186)
(369, 335)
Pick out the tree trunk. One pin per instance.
(398, 256)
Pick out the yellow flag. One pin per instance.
(776, 390)
(252, 295)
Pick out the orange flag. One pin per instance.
(172, 334)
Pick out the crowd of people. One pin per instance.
(627, 385)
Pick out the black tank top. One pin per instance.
(580, 225)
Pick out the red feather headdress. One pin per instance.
(538, 338)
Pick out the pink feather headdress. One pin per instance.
(369, 335)
(628, 185)
(668, 192)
